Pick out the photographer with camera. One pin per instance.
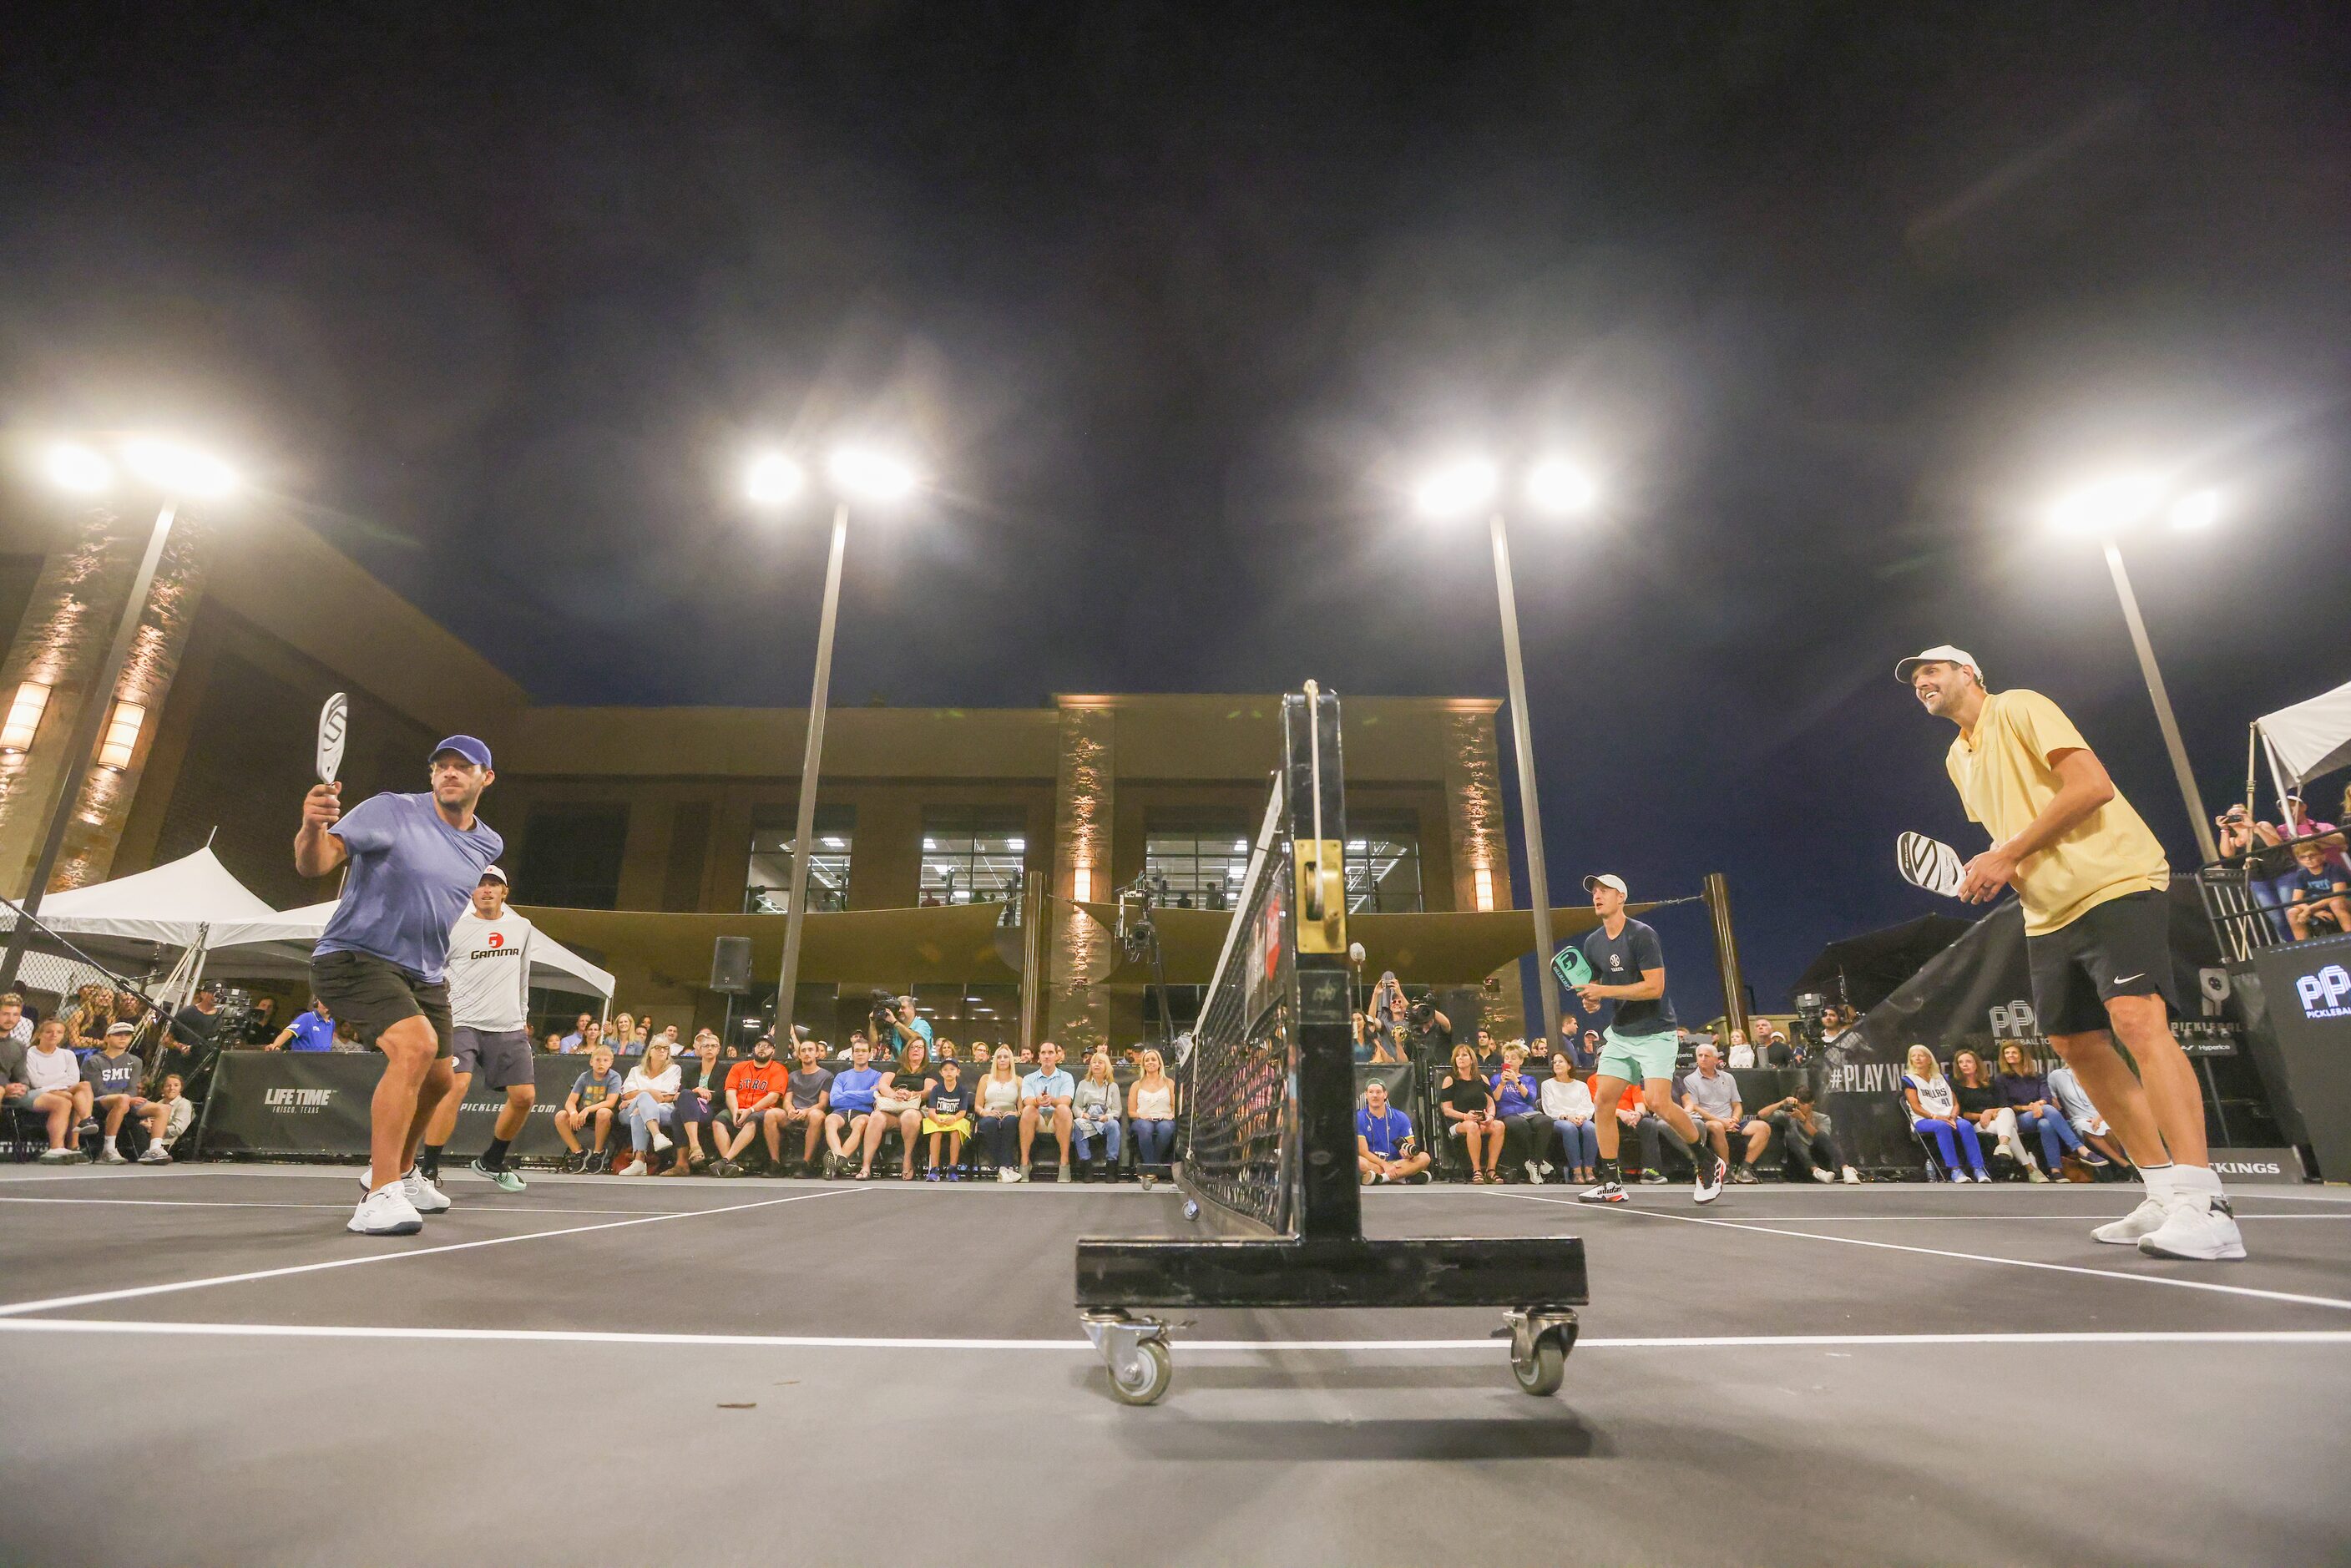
(895, 1026)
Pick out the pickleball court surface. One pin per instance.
(204, 1367)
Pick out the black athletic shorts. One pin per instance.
(502, 1057)
(2119, 948)
(372, 994)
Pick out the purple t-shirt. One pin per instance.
(412, 875)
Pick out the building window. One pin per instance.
(973, 854)
(1196, 863)
(571, 856)
(1383, 856)
(771, 861)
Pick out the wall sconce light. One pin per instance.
(1081, 884)
(1485, 875)
(122, 735)
(24, 721)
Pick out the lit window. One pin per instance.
(972, 853)
(23, 720)
(122, 735)
(1194, 862)
(1485, 890)
(1383, 865)
(766, 887)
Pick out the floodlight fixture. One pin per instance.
(1457, 488)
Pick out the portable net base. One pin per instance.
(1269, 1128)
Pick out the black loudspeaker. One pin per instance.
(730, 965)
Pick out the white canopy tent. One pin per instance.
(2307, 739)
(195, 902)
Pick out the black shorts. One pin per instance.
(372, 994)
(502, 1057)
(2119, 948)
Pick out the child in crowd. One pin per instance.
(946, 1114)
(169, 1114)
(113, 1075)
(2318, 899)
(594, 1096)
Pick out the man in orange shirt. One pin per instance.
(755, 1093)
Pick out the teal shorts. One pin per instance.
(1637, 1058)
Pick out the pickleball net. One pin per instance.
(1238, 1156)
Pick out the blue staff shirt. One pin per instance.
(412, 875)
(1383, 1134)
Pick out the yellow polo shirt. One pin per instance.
(2005, 779)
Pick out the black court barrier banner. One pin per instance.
(2303, 995)
(297, 1102)
(1976, 994)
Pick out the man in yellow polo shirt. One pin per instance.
(2097, 918)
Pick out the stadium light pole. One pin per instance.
(773, 481)
(2110, 508)
(163, 471)
(1556, 487)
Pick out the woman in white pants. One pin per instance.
(1981, 1104)
(646, 1095)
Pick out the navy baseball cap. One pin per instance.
(466, 747)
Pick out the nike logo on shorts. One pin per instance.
(2127, 980)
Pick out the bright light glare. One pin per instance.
(178, 469)
(1560, 487)
(2196, 509)
(772, 479)
(2108, 506)
(1457, 487)
(870, 474)
(72, 467)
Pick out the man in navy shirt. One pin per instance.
(1640, 1040)
(1385, 1150)
(382, 963)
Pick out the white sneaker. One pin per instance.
(386, 1212)
(661, 1142)
(156, 1155)
(1821, 1176)
(1004, 1175)
(420, 1191)
(2035, 1175)
(1712, 1171)
(1850, 1177)
(2145, 1221)
(1534, 1173)
(108, 1155)
(2197, 1224)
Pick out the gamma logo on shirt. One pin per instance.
(497, 939)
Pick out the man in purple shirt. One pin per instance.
(379, 967)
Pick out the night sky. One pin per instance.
(1173, 299)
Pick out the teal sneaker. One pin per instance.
(505, 1180)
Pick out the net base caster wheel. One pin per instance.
(1540, 1338)
(1134, 1350)
(1191, 1210)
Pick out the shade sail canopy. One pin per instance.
(2310, 738)
(1873, 966)
(951, 942)
(1448, 948)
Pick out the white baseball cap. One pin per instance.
(492, 873)
(1607, 879)
(1942, 652)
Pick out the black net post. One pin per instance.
(1329, 1202)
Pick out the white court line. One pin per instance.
(94, 1297)
(860, 1341)
(1963, 1256)
(470, 1208)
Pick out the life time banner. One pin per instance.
(316, 1103)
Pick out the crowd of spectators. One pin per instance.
(2298, 867)
(2016, 1107)
(95, 1095)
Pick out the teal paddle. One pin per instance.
(1572, 967)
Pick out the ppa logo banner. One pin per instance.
(2326, 994)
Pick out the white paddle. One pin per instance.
(1930, 863)
(334, 721)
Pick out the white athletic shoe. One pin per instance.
(2145, 1221)
(661, 1142)
(1821, 1176)
(108, 1155)
(1850, 1177)
(1712, 1175)
(1534, 1173)
(387, 1212)
(156, 1155)
(2195, 1225)
(422, 1194)
(2035, 1175)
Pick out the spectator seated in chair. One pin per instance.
(997, 1099)
(1467, 1103)
(1045, 1096)
(647, 1095)
(856, 1090)
(1567, 1106)
(1151, 1112)
(1740, 1054)
(756, 1090)
(113, 1075)
(594, 1099)
(701, 1097)
(1981, 1102)
(1386, 1149)
(947, 1114)
(1935, 1116)
(1518, 1105)
(1711, 1097)
(2037, 1112)
(898, 1106)
(170, 1115)
(1094, 1118)
(2319, 899)
(2097, 1136)
(809, 1106)
(1805, 1135)
(56, 1092)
